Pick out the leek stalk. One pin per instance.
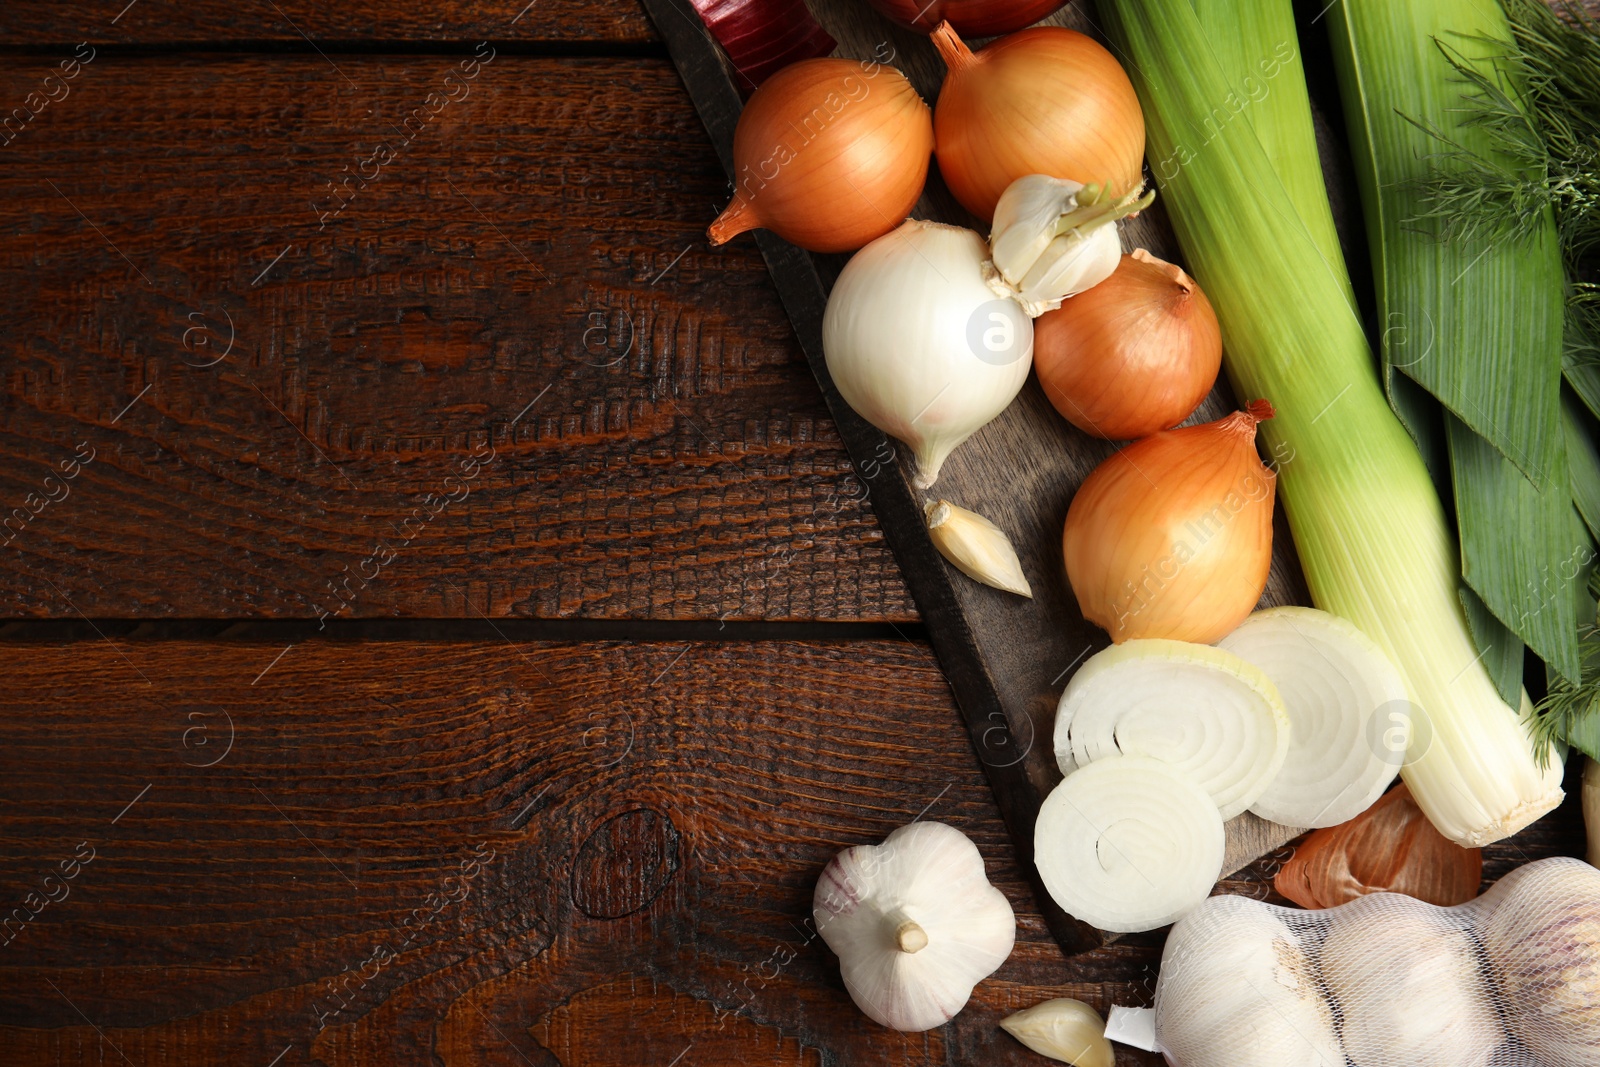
(1473, 317)
(1371, 532)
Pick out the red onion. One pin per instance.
(763, 36)
(971, 18)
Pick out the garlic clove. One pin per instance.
(1063, 1029)
(977, 547)
(915, 924)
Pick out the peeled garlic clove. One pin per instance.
(1054, 238)
(915, 924)
(1063, 1029)
(978, 548)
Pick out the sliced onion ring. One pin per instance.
(1215, 718)
(1334, 681)
(1128, 844)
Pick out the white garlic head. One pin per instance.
(1543, 943)
(1414, 995)
(1053, 238)
(1235, 977)
(915, 924)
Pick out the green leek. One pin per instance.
(1472, 317)
(1371, 532)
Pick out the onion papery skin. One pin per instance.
(1389, 848)
(1132, 355)
(1172, 536)
(829, 154)
(972, 18)
(1046, 100)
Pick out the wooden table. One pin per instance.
(445, 625)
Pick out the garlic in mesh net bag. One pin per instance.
(1511, 979)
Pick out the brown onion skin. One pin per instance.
(829, 154)
(1046, 100)
(1389, 848)
(971, 18)
(1131, 356)
(1172, 536)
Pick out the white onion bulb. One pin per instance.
(918, 344)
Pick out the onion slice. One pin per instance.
(1218, 720)
(1128, 844)
(762, 37)
(1345, 699)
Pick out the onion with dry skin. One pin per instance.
(1172, 536)
(829, 154)
(1131, 355)
(975, 18)
(1043, 101)
(1389, 848)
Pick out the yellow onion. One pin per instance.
(1131, 355)
(1172, 536)
(1043, 101)
(829, 154)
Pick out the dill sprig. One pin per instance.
(1568, 711)
(1536, 97)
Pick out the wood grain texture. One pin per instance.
(656, 825)
(198, 23)
(510, 366)
(596, 855)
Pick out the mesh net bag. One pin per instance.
(1511, 979)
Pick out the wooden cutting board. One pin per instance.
(1007, 658)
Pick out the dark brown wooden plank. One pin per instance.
(192, 23)
(526, 282)
(649, 822)
(657, 819)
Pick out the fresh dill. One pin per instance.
(1570, 711)
(1536, 97)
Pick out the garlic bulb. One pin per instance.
(1063, 1029)
(978, 548)
(915, 924)
(919, 346)
(1245, 984)
(1414, 995)
(1054, 238)
(1235, 978)
(1543, 943)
